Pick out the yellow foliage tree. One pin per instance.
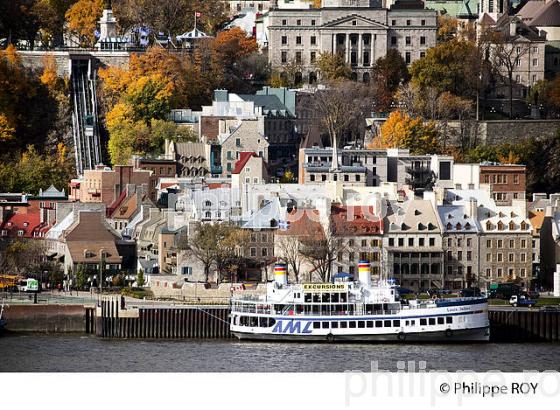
(82, 20)
(402, 131)
(7, 131)
(49, 77)
(509, 158)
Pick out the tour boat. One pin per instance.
(361, 311)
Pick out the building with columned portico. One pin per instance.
(361, 30)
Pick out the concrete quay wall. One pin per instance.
(45, 318)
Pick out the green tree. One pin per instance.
(140, 281)
(452, 66)
(81, 277)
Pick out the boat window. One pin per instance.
(307, 297)
(386, 323)
(352, 325)
(378, 323)
(406, 323)
(396, 323)
(326, 297)
(335, 297)
(299, 309)
(316, 325)
(254, 322)
(325, 325)
(432, 321)
(343, 325)
(334, 325)
(412, 322)
(376, 307)
(369, 323)
(361, 324)
(316, 298)
(449, 319)
(344, 297)
(422, 322)
(440, 320)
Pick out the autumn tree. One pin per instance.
(332, 67)
(402, 131)
(448, 28)
(82, 18)
(389, 72)
(341, 109)
(453, 66)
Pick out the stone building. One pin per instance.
(460, 244)
(413, 244)
(506, 238)
(358, 230)
(361, 30)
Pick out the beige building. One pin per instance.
(105, 185)
(247, 136)
(361, 30)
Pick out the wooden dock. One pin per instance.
(166, 322)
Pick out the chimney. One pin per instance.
(512, 28)
(472, 207)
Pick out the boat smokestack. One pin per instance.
(364, 273)
(281, 274)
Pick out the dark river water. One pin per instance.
(75, 353)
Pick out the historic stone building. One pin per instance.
(361, 30)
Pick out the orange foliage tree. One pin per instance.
(82, 20)
(402, 131)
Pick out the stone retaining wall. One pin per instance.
(45, 318)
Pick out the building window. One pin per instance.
(535, 62)
(298, 40)
(284, 56)
(312, 56)
(423, 22)
(408, 22)
(284, 40)
(284, 22)
(313, 40)
(422, 40)
(393, 41)
(312, 22)
(298, 57)
(408, 40)
(393, 22)
(298, 22)
(407, 58)
(253, 251)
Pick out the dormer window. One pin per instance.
(523, 226)
(403, 226)
(421, 227)
(512, 214)
(500, 226)
(511, 226)
(88, 254)
(458, 226)
(416, 212)
(25, 224)
(467, 226)
(489, 226)
(449, 226)
(207, 203)
(431, 226)
(449, 216)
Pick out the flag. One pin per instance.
(283, 225)
(198, 14)
(97, 34)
